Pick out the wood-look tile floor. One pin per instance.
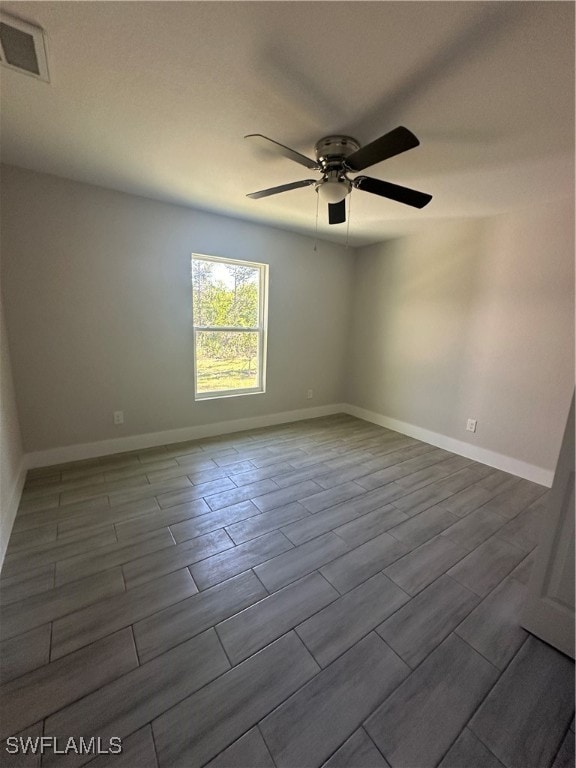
(326, 593)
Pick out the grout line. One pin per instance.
(221, 644)
(50, 642)
(376, 747)
(359, 728)
(153, 741)
(160, 550)
(481, 654)
(564, 735)
(123, 579)
(131, 627)
(263, 586)
(193, 582)
(257, 726)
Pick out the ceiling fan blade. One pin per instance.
(280, 149)
(392, 191)
(281, 188)
(393, 143)
(337, 212)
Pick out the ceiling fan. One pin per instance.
(336, 157)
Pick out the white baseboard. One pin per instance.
(483, 455)
(139, 442)
(77, 452)
(12, 507)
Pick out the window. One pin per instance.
(229, 306)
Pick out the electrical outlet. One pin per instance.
(118, 417)
(471, 425)
(309, 394)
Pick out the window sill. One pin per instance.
(228, 393)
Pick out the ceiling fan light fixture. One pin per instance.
(332, 190)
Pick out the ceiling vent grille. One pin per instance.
(22, 47)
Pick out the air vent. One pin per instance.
(22, 47)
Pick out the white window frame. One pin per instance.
(261, 329)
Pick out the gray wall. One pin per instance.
(98, 301)
(471, 319)
(463, 319)
(11, 467)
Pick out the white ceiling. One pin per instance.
(154, 98)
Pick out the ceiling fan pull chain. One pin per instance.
(348, 217)
(316, 232)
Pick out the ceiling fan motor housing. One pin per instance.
(331, 151)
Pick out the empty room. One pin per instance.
(287, 384)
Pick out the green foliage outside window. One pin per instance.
(225, 295)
